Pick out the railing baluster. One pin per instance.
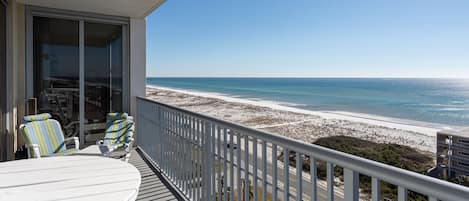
(246, 168)
(232, 164)
(274, 172)
(225, 164)
(186, 154)
(238, 164)
(212, 156)
(375, 189)
(166, 144)
(351, 183)
(254, 158)
(201, 160)
(198, 162)
(401, 193)
(190, 171)
(205, 163)
(299, 177)
(219, 163)
(313, 171)
(173, 153)
(209, 157)
(330, 181)
(170, 140)
(193, 159)
(181, 152)
(161, 136)
(264, 170)
(178, 149)
(286, 172)
(181, 140)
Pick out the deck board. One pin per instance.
(152, 187)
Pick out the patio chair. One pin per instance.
(118, 135)
(44, 137)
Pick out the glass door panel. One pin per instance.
(103, 76)
(56, 70)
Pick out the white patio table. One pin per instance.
(69, 178)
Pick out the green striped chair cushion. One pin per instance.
(65, 153)
(45, 132)
(116, 116)
(120, 129)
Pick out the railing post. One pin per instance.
(299, 177)
(207, 158)
(375, 189)
(160, 135)
(286, 172)
(351, 183)
(274, 172)
(264, 170)
(313, 178)
(246, 168)
(401, 193)
(330, 181)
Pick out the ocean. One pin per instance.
(436, 101)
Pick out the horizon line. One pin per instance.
(330, 77)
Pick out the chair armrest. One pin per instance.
(75, 141)
(35, 149)
(128, 145)
(107, 149)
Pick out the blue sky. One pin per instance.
(310, 38)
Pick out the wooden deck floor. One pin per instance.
(153, 186)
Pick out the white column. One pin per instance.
(137, 61)
(15, 74)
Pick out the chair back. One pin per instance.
(120, 129)
(45, 132)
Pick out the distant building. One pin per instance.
(452, 153)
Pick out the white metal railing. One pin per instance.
(207, 158)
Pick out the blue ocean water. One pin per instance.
(440, 101)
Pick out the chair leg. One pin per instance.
(127, 157)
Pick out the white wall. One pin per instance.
(137, 61)
(15, 75)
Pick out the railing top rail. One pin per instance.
(413, 181)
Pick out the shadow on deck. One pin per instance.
(153, 186)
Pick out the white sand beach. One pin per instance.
(298, 123)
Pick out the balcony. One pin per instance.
(204, 158)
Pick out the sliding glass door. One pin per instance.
(77, 67)
(103, 75)
(56, 70)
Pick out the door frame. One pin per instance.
(3, 84)
(81, 17)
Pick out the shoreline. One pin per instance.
(300, 123)
(416, 126)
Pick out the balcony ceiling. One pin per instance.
(125, 8)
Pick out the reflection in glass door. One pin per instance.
(103, 76)
(75, 71)
(56, 70)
